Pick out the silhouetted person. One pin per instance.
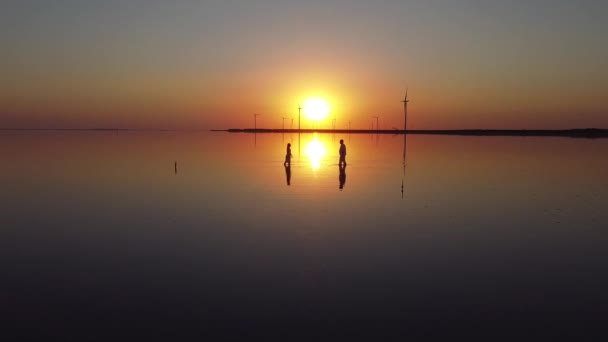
(288, 173)
(342, 153)
(342, 176)
(288, 155)
(176, 167)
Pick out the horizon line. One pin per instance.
(591, 132)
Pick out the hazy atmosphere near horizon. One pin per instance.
(211, 64)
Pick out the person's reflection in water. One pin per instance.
(288, 174)
(342, 176)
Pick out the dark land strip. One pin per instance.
(573, 133)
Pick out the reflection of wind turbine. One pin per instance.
(405, 101)
(404, 163)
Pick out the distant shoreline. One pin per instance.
(574, 133)
(88, 129)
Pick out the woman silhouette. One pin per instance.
(288, 155)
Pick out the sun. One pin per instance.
(316, 108)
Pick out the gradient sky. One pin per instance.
(212, 64)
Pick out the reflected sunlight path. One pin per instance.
(315, 151)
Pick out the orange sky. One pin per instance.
(212, 65)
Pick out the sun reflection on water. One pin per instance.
(315, 150)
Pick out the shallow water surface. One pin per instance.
(175, 232)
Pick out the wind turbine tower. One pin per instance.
(299, 117)
(377, 118)
(255, 122)
(405, 101)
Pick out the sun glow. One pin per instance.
(315, 151)
(316, 109)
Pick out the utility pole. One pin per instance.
(375, 117)
(255, 129)
(377, 124)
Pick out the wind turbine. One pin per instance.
(405, 101)
(299, 130)
(299, 117)
(255, 129)
(284, 122)
(377, 118)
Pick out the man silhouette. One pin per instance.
(342, 153)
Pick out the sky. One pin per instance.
(213, 64)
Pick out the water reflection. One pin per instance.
(315, 150)
(288, 174)
(342, 176)
(192, 244)
(404, 164)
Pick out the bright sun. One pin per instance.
(316, 109)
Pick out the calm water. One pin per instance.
(499, 236)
